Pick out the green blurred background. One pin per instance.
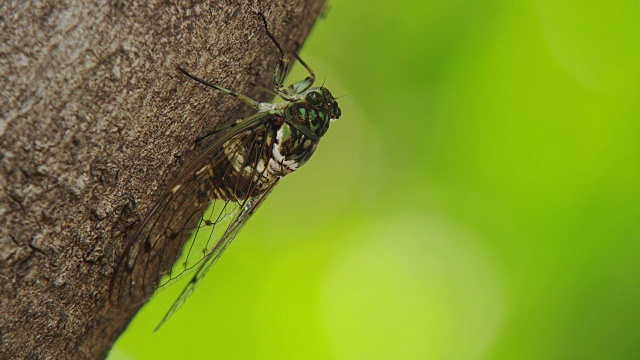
(479, 199)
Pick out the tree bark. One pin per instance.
(95, 122)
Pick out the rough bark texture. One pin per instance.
(94, 122)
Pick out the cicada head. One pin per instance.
(322, 100)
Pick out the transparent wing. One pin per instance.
(197, 217)
(248, 209)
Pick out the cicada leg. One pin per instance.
(303, 85)
(282, 69)
(240, 97)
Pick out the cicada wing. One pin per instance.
(185, 227)
(239, 221)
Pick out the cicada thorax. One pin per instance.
(299, 135)
(257, 159)
(302, 115)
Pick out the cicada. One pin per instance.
(200, 214)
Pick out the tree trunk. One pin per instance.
(94, 122)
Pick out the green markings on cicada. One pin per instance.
(286, 133)
(207, 205)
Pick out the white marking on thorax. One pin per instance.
(263, 107)
(278, 162)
